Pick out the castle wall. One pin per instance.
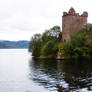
(72, 22)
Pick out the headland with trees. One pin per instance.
(49, 44)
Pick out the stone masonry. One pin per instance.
(72, 22)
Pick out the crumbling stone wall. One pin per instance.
(72, 22)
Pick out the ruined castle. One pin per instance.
(72, 22)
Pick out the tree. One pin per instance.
(52, 33)
(35, 45)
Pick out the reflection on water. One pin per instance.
(19, 72)
(62, 76)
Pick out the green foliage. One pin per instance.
(35, 45)
(79, 45)
(52, 33)
(88, 27)
(45, 44)
(61, 50)
(50, 48)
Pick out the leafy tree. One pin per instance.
(35, 45)
(52, 33)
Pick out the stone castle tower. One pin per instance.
(72, 22)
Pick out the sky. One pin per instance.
(21, 19)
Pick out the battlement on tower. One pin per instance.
(73, 13)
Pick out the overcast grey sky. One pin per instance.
(20, 19)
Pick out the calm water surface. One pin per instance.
(19, 72)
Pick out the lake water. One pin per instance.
(19, 72)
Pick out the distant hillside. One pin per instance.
(13, 44)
